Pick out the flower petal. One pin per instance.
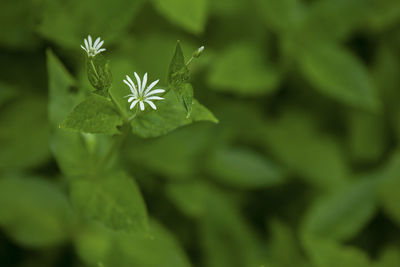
(141, 105)
(144, 82)
(86, 44)
(138, 82)
(151, 104)
(133, 90)
(134, 104)
(90, 41)
(83, 48)
(96, 42)
(151, 87)
(154, 98)
(155, 91)
(131, 99)
(101, 50)
(131, 82)
(99, 45)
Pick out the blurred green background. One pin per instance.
(302, 170)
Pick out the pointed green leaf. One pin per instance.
(170, 114)
(337, 73)
(244, 168)
(178, 73)
(114, 200)
(96, 114)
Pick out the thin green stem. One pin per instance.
(189, 61)
(94, 68)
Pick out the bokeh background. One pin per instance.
(302, 170)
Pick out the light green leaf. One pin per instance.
(337, 73)
(244, 168)
(115, 200)
(325, 253)
(170, 114)
(96, 244)
(191, 15)
(241, 70)
(99, 73)
(178, 76)
(281, 15)
(63, 95)
(189, 197)
(343, 214)
(24, 142)
(34, 212)
(96, 114)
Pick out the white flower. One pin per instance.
(93, 49)
(140, 94)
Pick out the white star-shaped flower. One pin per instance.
(93, 49)
(140, 94)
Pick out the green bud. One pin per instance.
(99, 74)
(198, 52)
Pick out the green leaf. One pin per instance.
(67, 23)
(283, 248)
(115, 200)
(170, 114)
(63, 95)
(322, 20)
(389, 189)
(225, 232)
(34, 212)
(178, 76)
(343, 214)
(99, 73)
(191, 15)
(178, 73)
(325, 253)
(164, 157)
(383, 14)
(367, 136)
(189, 197)
(390, 257)
(337, 73)
(96, 114)
(97, 244)
(244, 168)
(7, 92)
(20, 150)
(281, 15)
(294, 140)
(240, 69)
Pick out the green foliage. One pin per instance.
(191, 15)
(244, 168)
(96, 114)
(338, 74)
(34, 212)
(302, 168)
(242, 71)
(341, 215)
(115, 200)
(99, 73)
(170, 114)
